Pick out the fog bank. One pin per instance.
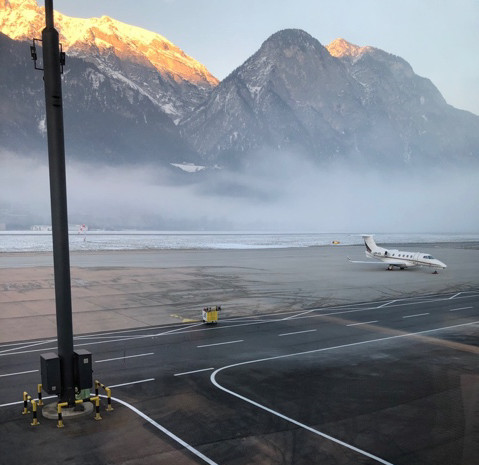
(279, 194)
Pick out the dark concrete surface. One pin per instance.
(396, 379)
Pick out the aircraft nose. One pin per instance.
(438, 263)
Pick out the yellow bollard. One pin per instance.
(39, 390)
(108, 394)
(35, 421)
(25, 403)
(59, 411)
(97, 407)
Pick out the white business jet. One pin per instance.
(398, 258)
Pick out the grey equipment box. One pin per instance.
(83, 369)
(50, 371)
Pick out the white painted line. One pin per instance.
(387, 303)
(298, 332)
(11, 344)
(191, 328)
(298, 314)
(27, 346)
(414, 316)
(457, 309)
(191, 372)
(164, 430)
(172, 331)
(84, 338)
(123, 331)
(123, 358)
(18, 402)
(302, 425)
(363, 323)
(455, 295)
(45, 349)
(129, 338)
(220, 343)
(132, 382)
(19, 373)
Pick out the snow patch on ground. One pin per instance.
(188, 167)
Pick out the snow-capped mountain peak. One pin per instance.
(24, 19)
(100, 40)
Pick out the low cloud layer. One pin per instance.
(281, 194)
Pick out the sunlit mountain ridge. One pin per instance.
(341, 47)
(104, 41)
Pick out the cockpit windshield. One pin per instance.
(429, 257)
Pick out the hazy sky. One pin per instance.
(439, 38)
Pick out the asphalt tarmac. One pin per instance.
(391, 382)
(121, 290)
(392, 379)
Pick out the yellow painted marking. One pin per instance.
(184, 320)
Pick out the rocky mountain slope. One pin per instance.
(104, 121)
(340, 102)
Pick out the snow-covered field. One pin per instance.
(29, 241)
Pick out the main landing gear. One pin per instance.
(391, 267)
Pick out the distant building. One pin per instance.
(79, 228)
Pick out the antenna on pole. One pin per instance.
(49, 14)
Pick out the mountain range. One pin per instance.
(132, 96)
(339, 102)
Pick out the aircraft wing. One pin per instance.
(369, 262)
(383, 261)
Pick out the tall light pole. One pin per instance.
(52, 65)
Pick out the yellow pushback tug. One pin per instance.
(210, 314)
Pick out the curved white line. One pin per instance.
(291, 420)
(302, 425)
(147, 418)
(164, 430)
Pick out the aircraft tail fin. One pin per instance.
(369, 243)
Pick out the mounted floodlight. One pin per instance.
(62, 58)
(33, 53)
